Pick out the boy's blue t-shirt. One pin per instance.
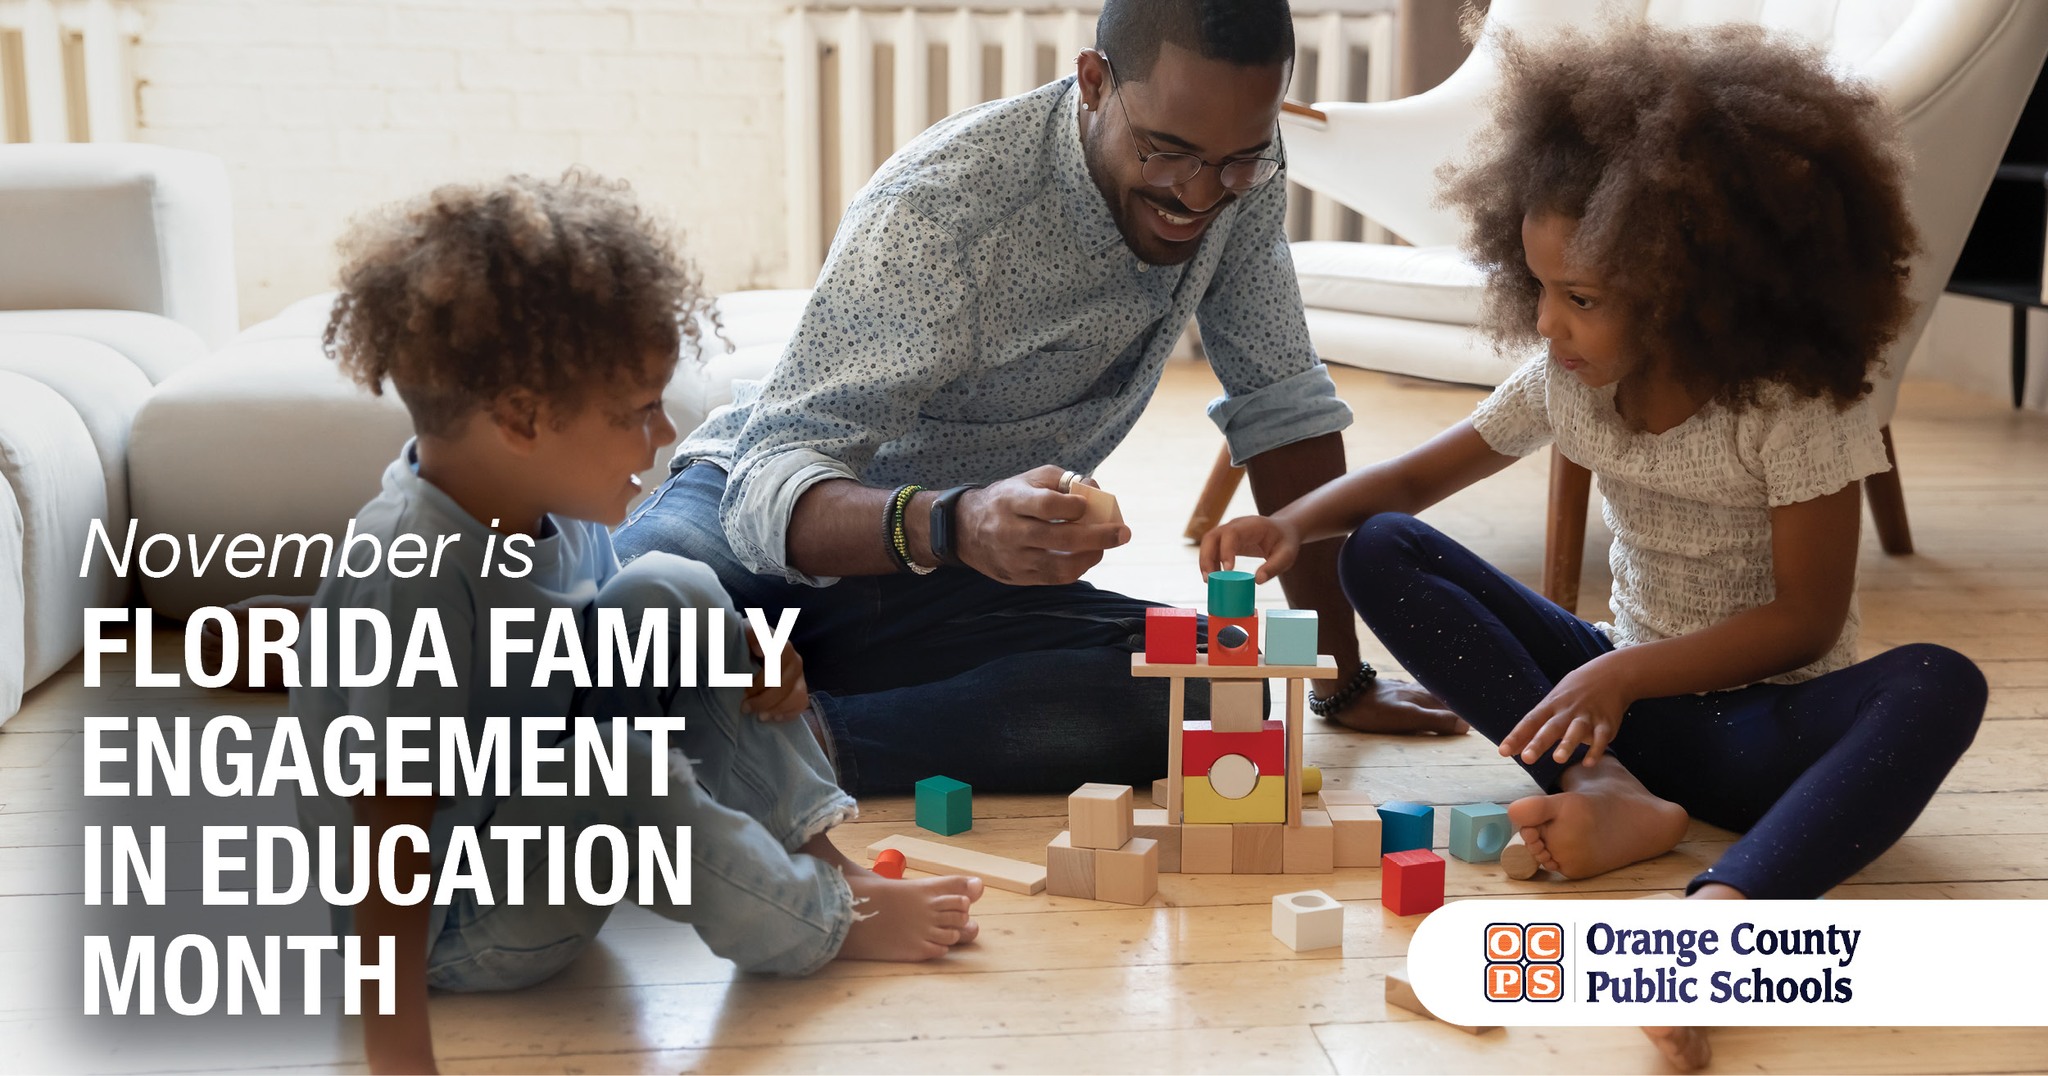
(572, 559)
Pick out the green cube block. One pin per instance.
(945, 805)
(1479, 831)
(1290, 637)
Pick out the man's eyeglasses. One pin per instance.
(1165, 168)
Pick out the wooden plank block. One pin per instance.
(1347, 797)
(1069, 871)
(1401, 995)
(931, 857)
(1176, 706)
(1295, 691)
(1257, 848)
(1325, 668)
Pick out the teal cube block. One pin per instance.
(1479, 831)
(1405, 826)
(945, 805)
(1291, 637)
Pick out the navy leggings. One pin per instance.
(1821, 776)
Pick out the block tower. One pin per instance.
(1233, 786)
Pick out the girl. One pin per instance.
(1707, 231)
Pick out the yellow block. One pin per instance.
(1201, 803)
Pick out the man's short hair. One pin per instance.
(1249, 33)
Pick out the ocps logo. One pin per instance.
(1524, 962)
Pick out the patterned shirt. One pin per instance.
(1691, 507)
(980, 315)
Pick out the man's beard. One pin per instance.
(1149, 248)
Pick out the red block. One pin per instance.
(1201, 746)
(1170, 636)
(1246, 653)
(1412, 882)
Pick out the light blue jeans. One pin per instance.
(751, 792)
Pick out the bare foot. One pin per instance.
(1604, 819)
(1685, 1047)
(910, 920)
(1402, 708)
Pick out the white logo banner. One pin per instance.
(1858, 963)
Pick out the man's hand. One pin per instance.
(1272, 540)
(776, 703)
(1585, 707)
(1397, 706)
(1017, 531)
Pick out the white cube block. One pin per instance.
(1310, 919)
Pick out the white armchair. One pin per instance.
(1958, 72)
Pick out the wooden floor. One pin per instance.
(1194, 982)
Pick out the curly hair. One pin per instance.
(1747, 204)
(555, 286)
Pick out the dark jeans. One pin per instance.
(1821, 776)
(1008, 688)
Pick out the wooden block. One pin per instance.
(1405, 825)
(1291, 637)
(1102, 506)
(1237, 705)
(1310, 919)
(931, 857)
(1202, 803)
(1659, 896)
(1346, 796)
(1151, 824)
(1069, 871)
(1127, 875)
(1479, 831)
(1325, 668)
(1205, 849)
(1170, 636)
(1401, 995)
(1099, 816)
(944, 806)
(1225, 648)
(1310, 848)
(1257, 848)
(1357, 828)
(1412, 882)
(1264, 746)
(1159, 791)
(1516, 860)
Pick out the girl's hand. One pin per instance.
(1585, 707)
(776, 703)
(1273, 540)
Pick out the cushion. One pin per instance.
(1423, 283)
(105, 389)
(47, 458)
(157, 346)
(13, 609)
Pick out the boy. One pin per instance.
(530, 327)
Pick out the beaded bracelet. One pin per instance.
(1326, 705)
(894, 535)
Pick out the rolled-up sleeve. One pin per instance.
(888, 325)
(1276, 390)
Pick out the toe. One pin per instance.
(969, 932)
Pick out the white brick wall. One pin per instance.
(323, 108)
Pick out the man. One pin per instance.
(997, 308)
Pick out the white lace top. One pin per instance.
(1691, 507)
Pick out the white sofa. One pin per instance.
(126, 393)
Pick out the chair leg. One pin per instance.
(1888, 504)
(1564, 536)
(1216, 493)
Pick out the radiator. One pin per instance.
(63, 70)
(861, 80)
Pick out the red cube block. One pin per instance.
(1220, 650)
(1170, 636)
(1412, 882)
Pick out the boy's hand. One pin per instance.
(1585, 707)
(777, 703)
(1274, 541)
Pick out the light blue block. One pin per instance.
(1479, 831)
(1405, 825)
(945, 805)
(1291, 637)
